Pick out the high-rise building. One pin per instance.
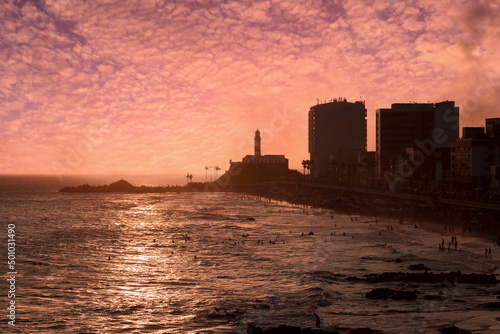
(425, 127)
(337, 133)
(475, 158)
(493, 129)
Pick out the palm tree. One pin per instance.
(189, 177)
(306, 164)
(217, 168)
(206, 173)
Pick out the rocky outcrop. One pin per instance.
(490, 306)
(363, 331)
(121, 186)
(452, 277)
(419, 266)
(384, 293)
(285, 329)
(454, 330)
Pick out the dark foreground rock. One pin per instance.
(452, 277)
(384, 293)
(490, 306)
(419, 266)
(284, 329)
(454, 330)
(363, 331)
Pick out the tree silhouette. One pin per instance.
(217, 168)
(189, 177)
(306, 164)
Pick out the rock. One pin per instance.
(454, 330)
(323, 302)
(119, 186)
(433, 297)
(452, 277)
(384, 293)
(252, 329)
(363, 331)
(490, 306)
(283, 329)
(419, 266)
(397, 260)
(262, 306)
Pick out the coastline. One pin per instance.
(445, 220)
(434, 219)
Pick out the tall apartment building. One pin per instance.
(424, 127)
(475, 158)
(337, 133)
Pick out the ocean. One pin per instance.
(213, 262)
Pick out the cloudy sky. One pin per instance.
(165, 86)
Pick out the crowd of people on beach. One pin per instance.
(452, 242)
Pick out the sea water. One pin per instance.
(213, 262)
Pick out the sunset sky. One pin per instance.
(152, 86)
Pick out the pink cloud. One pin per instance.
(184, 85)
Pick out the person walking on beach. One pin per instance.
(318, 321)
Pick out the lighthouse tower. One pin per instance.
(257, 143)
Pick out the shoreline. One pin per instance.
(395, 210)
(444, 219)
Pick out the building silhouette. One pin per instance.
(257, 167)
(475, 158)
(337, 134)
(416, 133)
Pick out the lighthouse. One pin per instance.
(257, 143)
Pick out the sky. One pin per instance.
(153, 86)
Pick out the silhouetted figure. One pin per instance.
(109, 257)
(318, 321)
(485, 251)
(154, 240)
(489, 250)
